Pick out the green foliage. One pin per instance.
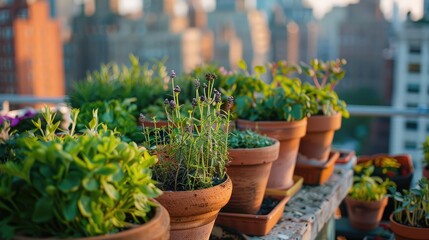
(412, 206)
(283, 99)
(143, 82)
(425, 146)
(248, 139)
(116, 114)
(325, 76)
(369, 188)
(74, 185)
(193, 147)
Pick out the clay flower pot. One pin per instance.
(404, 232)
(289, 135)
(193, 213)
(316, 144)
(158, 228)
(249, 170)
(365, 215)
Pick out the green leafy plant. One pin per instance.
(248, 139)
(325, 77)
(115, 114)
(383, 167)
(425, 147)
(412, 206)
(281, 100)
(192, 148)
(369, 188)
(71, 185)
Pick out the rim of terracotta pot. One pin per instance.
(222, 193)
(369, 204)
(254, 156)
(416, 233)
(161, 215)
(281, 130)
(323, 123)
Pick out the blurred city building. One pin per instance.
(31, 56)
(160, 33)
(240, 32)
(293, 30)
(411, 86)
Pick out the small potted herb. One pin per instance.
(251, 157)
(79, 186)
(193, 152)
(277, 109)
(326, 108)
(410, 220)
(366, 200)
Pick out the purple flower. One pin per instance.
(177, 89)
(230, 102)
(166, 101)
(194, 102)
(14, 122)
(172, 74)
(210, 77)
(172, 104)
(197, 83)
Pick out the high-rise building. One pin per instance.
(293, 32)
(31, 56)
(411, 88)
(240, 32)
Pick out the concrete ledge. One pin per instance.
(311, 208)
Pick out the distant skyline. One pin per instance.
(415, 6)
(321, 7)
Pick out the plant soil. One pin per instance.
(268, 204)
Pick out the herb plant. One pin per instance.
(192, 149)
(248, 139)
(412, 206)
(369, 188)
(281, 100)
(383, 167)
(75, 185)
(325, 77)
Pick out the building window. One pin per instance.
(412, 105)
(410, 145)
(411, 125)
(414, 48)
(413, 88)
(414, 68)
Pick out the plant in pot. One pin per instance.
(397, 168)
(193, 153)
(251, 156)
(326, 108)
(277, 109)
(410, 220)
(425, 146)
(366, 200)
(86, 186)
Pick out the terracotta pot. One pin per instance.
(158, 228)
(402, 182)
(426, 172)
(193, 213)
(403, 232)
(249, 170)
(365, 215)
(289, 135)
(316, 144)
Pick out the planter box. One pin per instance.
(316, 172)
(260, 225)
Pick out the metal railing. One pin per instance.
(355, 110)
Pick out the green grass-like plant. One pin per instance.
(248, 139)
(193, 147)
(412, 206)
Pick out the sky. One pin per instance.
(323, 6)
